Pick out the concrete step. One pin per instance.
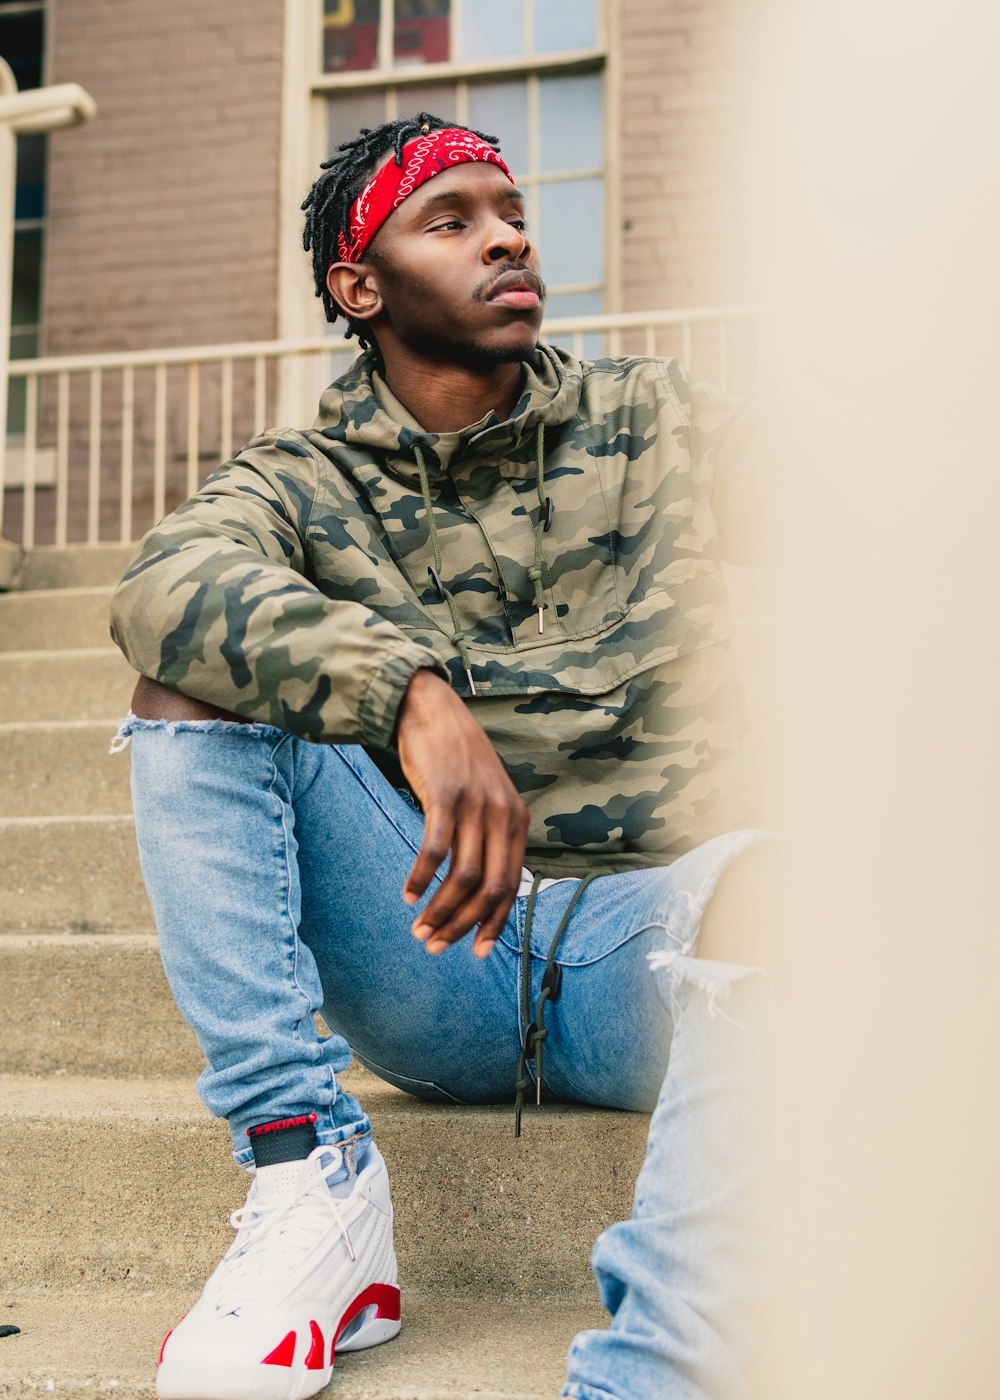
(85, 1347)
(63, 618)
(130, 1183)
(62, 769)
(76, 566)
(78, 683)
(71, 875)
(94, 1005)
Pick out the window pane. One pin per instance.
(437, 98)
(573, 304)
(421, 33)
(565, 24)
(30, 201)
(590, 346)
(571, 231)
(350, 35)
(570, 123)
(27, 277)
(23, 346)
(21, 43)
(501, 109)
(347, 114)
(489, 30)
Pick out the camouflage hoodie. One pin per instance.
(295, 588)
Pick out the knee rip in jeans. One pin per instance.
(132, 724)
(715, 980)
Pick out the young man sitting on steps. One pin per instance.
(447, 674)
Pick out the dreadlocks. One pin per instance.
(328, 203)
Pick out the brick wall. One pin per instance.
(163, 227)
(683, 66)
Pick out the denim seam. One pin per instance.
(377, 800)
(296, 941)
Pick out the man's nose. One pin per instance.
(505, 241)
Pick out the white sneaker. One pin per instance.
(312, 1271)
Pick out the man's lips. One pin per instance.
(522, 291)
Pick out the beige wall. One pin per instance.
(682, 83)
(163, 226)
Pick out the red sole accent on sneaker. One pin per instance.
(163, 1344)
(315, 1361)
(283, 1354)
(385, 1299)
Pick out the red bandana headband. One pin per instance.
(423, 158)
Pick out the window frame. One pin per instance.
(304, 129)
(31, 224)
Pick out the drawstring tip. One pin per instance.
(517, 1123)
(541, 621)
(472, 683)
(538, 1092)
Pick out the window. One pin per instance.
(530, 72)
(22, 45)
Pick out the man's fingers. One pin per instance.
(439, 827)
(463, 880)
(488, 903)
(508, 850)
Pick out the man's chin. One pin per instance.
(475, 354)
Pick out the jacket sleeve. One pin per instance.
(728, 448)
(216, 605)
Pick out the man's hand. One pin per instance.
(471, 809)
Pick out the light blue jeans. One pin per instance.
(275, 869)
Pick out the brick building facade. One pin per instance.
(164, 211)
(172, 219)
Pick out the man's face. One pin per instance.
(456, 270)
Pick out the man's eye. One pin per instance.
(448, 223)
(519, 224)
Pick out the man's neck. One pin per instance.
(445, 399)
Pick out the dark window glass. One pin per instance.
(421, 32)
(350, 35)
(21, 45)
(27, 282)
(31, 157)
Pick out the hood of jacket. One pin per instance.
(361, 411)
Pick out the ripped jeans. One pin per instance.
(275, 868)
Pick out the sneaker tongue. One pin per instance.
(277, 1182)
(283, 1140)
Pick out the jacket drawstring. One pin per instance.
(546, 510)
(457, 637)
(544, 520)
(536, 1032)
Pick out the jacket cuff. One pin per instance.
(385, 691)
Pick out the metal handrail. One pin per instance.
(318, 345)
(114, 439)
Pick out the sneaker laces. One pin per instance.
(273, 1236)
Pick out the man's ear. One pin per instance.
(354, 287)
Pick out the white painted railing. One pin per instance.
(112, 441)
